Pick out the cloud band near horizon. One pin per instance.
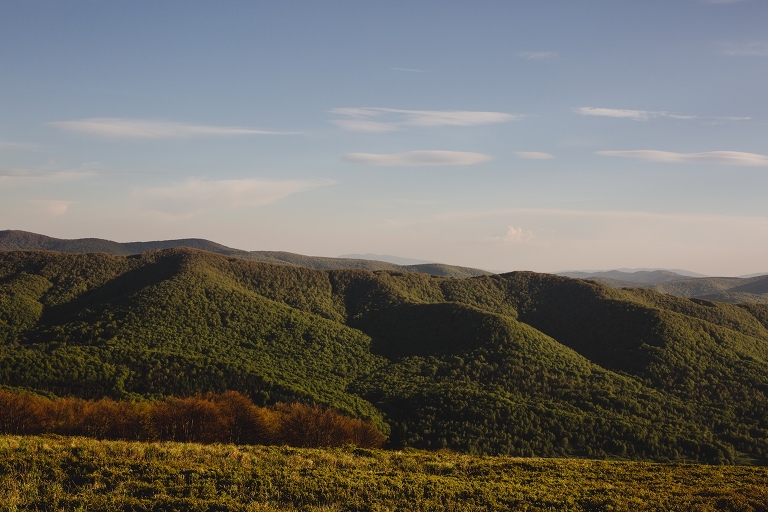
(121, 128)
(382, 120)
(645, 115)
(534, 155)
(737, 158)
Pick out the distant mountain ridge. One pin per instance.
(397, 260)
(675, 282)
(719, 289)
(14, 240)
(682, 272)
(639, 276)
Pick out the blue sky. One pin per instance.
(505, 135)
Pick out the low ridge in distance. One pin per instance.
(720, 289)
(11, 240)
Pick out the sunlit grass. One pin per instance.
(61, 473)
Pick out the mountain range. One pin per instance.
(397, 260)
(675, 282)
(721, 289)
(20, 240)
(518, 363)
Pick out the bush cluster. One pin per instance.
(229, 417)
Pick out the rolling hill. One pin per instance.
(519, 363)
(12, 240)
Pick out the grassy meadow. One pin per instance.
(74, 473)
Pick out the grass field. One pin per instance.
(61, 473)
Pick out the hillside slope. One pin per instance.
(519, 363)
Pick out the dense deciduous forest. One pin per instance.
(519, 363)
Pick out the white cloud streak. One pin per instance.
(418, 158)
(535, 155)
(537, 55)
(382, 120)
(748, 49)
(365, 126)
(196, 195)
(736, 158)
(41, 177)
(120, 128)
(636, 115)
(409, 70)
(645, 115)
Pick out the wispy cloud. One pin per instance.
(637, 115)
(534, 155)
(418, 158)
(196, 195)
(378, 119)
(712, 157)
(748, 49)
(17, 176)
(645, 115)
(537, 55)
(364, 125)
(724, 1)
(52, 207)
(512, 235)
(409, 70)
(120, 128)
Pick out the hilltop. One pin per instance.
(519, 363)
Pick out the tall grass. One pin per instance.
(64, 473)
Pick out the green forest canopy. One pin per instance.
(518, 363)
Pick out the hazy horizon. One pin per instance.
(494, 135)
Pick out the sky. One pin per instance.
(505, 135)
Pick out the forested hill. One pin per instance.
(13, 240)
(519, 363)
